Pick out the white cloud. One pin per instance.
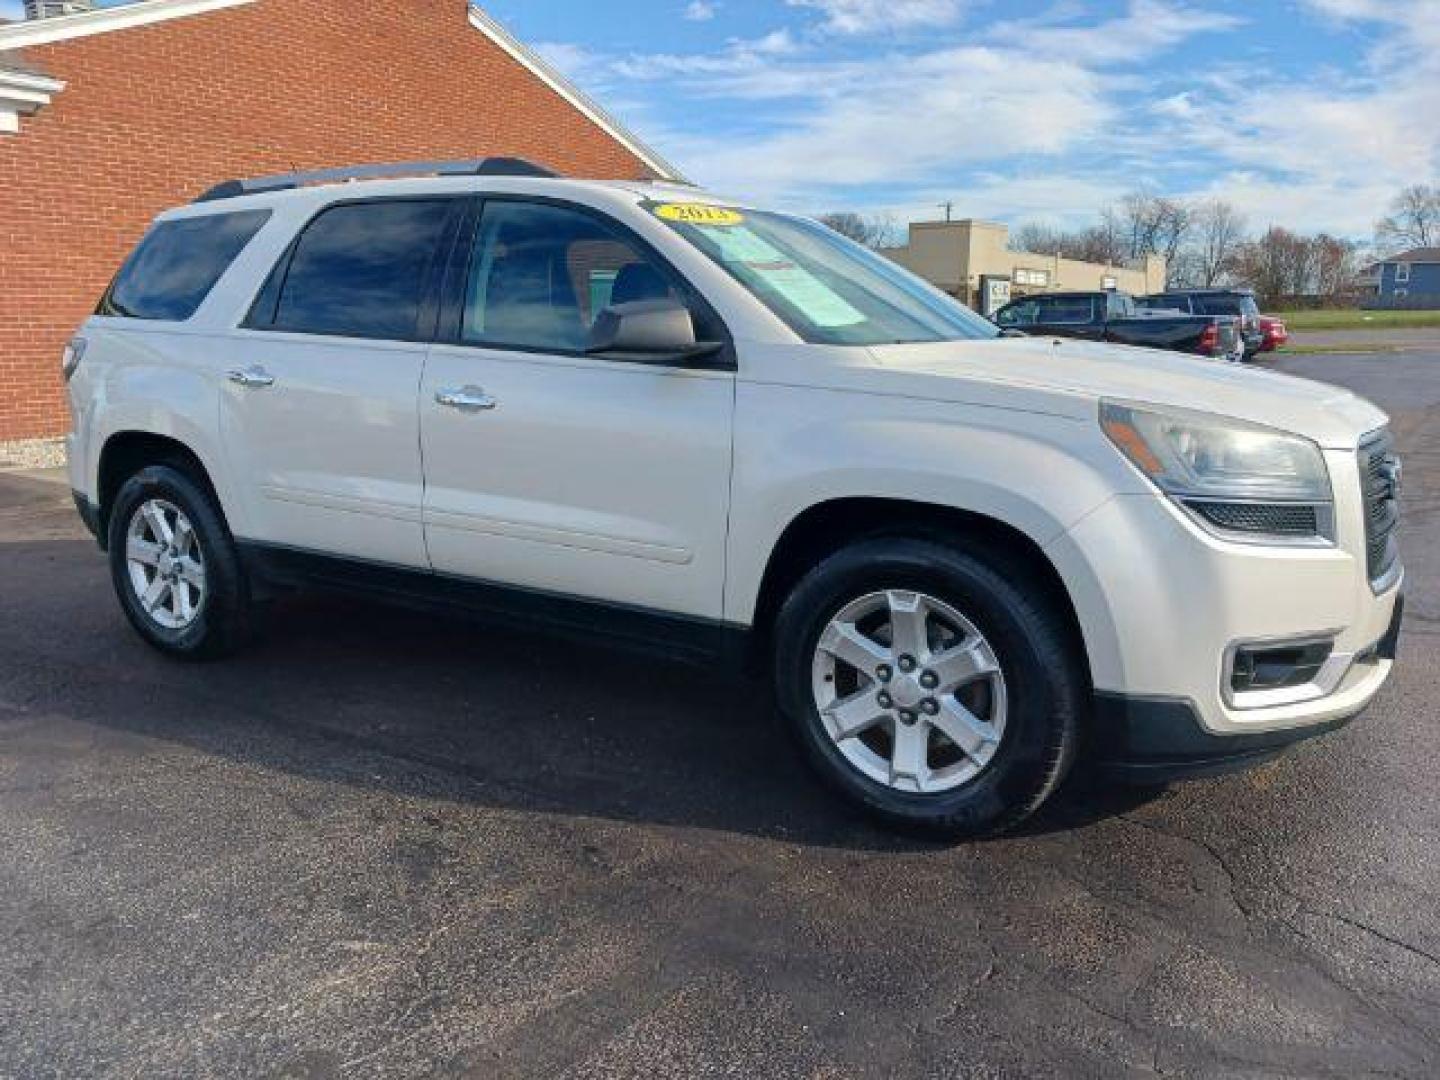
(882, 16)
(1351, 9)
(1147, 27)
(738, 57)
(882, 122)
(700, 11)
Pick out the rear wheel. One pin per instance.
(926, 687)
(175, 567)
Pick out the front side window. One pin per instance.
(360, 269)
(1021, 313)
(177, 264)
(827, 289)
(541, 273)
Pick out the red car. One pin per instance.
(1274, 333)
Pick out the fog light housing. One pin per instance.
(1281, 666)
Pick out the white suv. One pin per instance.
(639, 412)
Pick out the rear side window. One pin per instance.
(361, 269)
(1067, 309)
(1227, 305)
(176, 265)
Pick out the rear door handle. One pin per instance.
(254, 377)
(466, 399)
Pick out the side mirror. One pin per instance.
(653, 329)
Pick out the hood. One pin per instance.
(1331, 416)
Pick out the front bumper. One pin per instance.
(1153, 740)
(1164, 605)
(1158, 739)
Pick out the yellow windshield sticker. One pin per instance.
(699, 214)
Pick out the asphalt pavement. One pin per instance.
(385, 844)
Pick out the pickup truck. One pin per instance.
(1238, 303)
(1114, 316)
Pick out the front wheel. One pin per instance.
(175, 566)
(928, 689)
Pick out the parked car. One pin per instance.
(1237, 303)
(1274, 335)
(634, 413)
(1113, 316)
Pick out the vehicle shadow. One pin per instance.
(366, 694)
(347, 690)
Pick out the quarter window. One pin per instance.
(540, 274)
(177, 264)
(360, 269)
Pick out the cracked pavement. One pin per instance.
(385, 844)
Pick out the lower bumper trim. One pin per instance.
(1157, 739)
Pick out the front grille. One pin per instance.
(1268, 519)
(1380, 488)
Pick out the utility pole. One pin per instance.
(949, 208)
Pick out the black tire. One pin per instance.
(224, 619)
(1044, 676)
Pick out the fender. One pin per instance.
(158, 388)
(1036, 473)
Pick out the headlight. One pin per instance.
(1242, 481)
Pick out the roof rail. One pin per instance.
(491, 166)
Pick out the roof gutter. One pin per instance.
(103, 20)
(551, 77)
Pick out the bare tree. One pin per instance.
(1413, 221)
(1219, 234)
(872, 230)
(1336, 267)
(1039, 239)
(1152, 225)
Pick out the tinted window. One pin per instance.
(1226, 305)
(177, 264)
(359, 270)
(1066, 309)
(1021, 313)
(540, 274)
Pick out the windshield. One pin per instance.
(829, 290)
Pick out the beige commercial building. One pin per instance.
(957, 255)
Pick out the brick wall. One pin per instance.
(153, 115)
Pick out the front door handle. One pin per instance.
(466, 399)
(254, 377)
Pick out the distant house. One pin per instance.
(1410, 279)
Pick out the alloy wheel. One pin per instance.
(909, 691)
(165, 564)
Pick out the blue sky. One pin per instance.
(1308, 113)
